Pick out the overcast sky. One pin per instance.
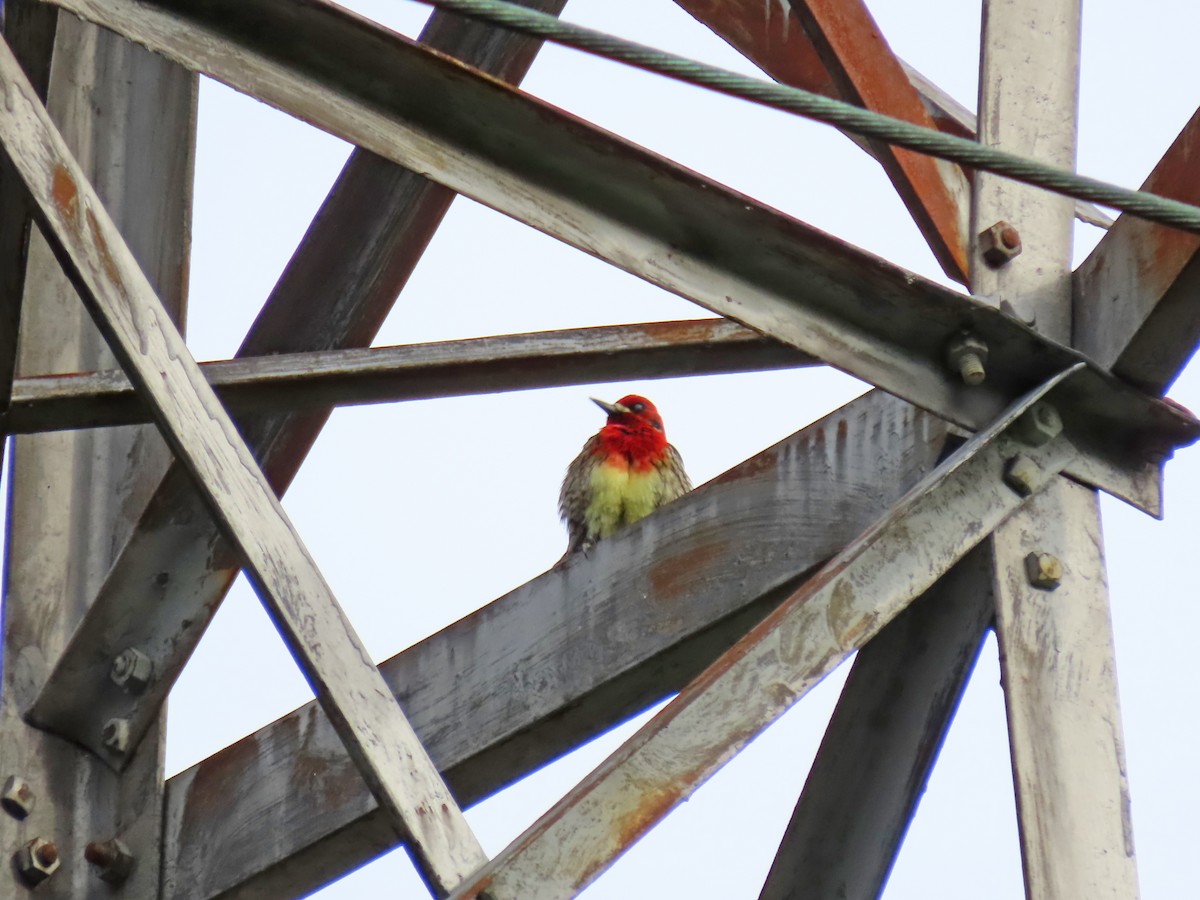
(419, 513)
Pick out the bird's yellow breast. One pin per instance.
(621, 496)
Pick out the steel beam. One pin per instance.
(294, 381)
(554, 662)
(74, 497)
(1056, 651)
(882, 742)
(654, 219)
(837, 611)
(867, 73)
(1135, 295)
(173, 571)
(122, 302)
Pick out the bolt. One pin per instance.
(999, 244)
(967, 355)
(1039, 425)
(17, 797)
(1022, 474)
(132, 670)
(116, 735)
(1044, 570)
(112, 859)
(36, 861)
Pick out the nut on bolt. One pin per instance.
(132, 670)
(999, 244)
(967, 355)
(18, 797)
(1044, 570)
(1039, 425)
(116, 735)
(1022, 474)
(36, 861)
(112, 859)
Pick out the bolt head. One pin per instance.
(132, 670)
(1022, 474)
(1044, 570)
(115, 735)
(999, 244)
(112, 859)
(36, 861)
(17, 797)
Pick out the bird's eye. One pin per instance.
(638, 407)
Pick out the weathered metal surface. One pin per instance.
(868, 74)
(1028, 96)
(420, 371)
(1064, 719)
(770, 36)
(1135, 295)
(554, 662)
(171, 574)
(883, 741)
(74, 497)
(1056, 650)
(201, 434)
(636, 210)
(838, 610)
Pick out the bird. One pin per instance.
(623, 473)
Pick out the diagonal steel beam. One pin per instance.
(1135, 307)
(293, 381)
(842, 607)
(92, 252)
(588, 643)
(882, 742)
(169, 578)
(636, 210)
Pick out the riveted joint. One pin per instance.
(1022, 474)
(111, 859)
(17, 798)
(967, 355)
(36, 861)
(1044, 570)
(999, 244)
(132, 669)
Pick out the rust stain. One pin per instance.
(672, 577)
(66, 197)
(106, 257)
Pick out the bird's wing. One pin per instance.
(572, 498)
(675, 481)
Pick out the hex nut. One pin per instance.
(133, 670)
(967, 355)
(17, 797)
(115, 735)
(1044, 570)
(1039, 425)
(36, 861)
(112, 859)
(999, 244)
(1022, 474)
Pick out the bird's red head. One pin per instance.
(633, 412)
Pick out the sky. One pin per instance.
(395, 499)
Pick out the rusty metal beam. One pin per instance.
(294, 381)
(867, 73)
(636, 210)
(123, 304)
(554, 662)
(165, 585)
(1134, 298)
(837, 611)
(882, 742)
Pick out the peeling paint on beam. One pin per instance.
(419, 371)
(589, 643)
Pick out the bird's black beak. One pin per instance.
(611, 408)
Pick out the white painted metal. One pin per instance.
(1056, 658)
(150, 349)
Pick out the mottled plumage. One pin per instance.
(624, 472)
